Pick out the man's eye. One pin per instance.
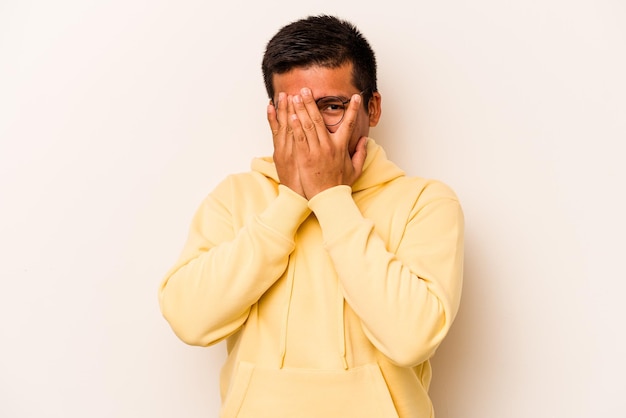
(331, 107)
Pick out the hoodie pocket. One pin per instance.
(280, 393)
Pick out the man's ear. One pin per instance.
(374, 108)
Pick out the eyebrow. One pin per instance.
(342, 98)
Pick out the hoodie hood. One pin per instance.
(377, 169)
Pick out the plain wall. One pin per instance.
(118, 117)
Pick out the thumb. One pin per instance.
(358, 158)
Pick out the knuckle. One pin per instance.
(278, 130)
(299, 137)
(317, 119)
(350, 122)
(309, 126)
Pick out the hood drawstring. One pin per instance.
(341, 327)
(288, 296)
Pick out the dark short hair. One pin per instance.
(324, 41)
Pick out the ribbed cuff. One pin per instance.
(286, 212)
(336, 211)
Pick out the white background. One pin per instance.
(118, 117)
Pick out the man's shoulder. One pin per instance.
(422, 188)
(245, 179)
(244, 184)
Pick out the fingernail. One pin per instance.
(297, 99)
(305, 92)
(357, 98)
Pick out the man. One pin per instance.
(332, 275)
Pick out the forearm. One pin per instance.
(408, 299)
(208, 294)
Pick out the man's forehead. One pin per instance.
(317, 78)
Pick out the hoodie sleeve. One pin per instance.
(406, 299)
(225, 268)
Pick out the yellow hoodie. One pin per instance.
(331, 307)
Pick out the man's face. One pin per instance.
(324, 82)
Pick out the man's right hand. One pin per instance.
(284, 149)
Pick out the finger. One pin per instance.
(276, 116)
(273, 122)
(299, 137)
(350, 118)
(271, 115)
(282, 109)
(306, 128)
(283, 120)
(358, 158)
(313, 113)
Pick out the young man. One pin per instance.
(332, 275)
